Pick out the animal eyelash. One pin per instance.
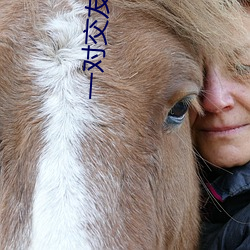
(195, 105)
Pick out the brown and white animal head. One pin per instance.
(115, 171)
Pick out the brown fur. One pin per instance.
(143, 172)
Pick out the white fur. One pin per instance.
(62, 205)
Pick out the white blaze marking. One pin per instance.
(61, 202)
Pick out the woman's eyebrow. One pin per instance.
(243, 51)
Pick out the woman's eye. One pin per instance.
(177, 113)
(242, 69)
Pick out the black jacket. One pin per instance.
(226, 211)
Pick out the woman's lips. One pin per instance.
(225, 130)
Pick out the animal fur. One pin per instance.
(107, 172)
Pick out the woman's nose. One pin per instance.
(217, 93)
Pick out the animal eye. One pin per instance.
(178, 112)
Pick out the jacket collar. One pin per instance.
(229, 183)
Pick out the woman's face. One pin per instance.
(222, 136)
